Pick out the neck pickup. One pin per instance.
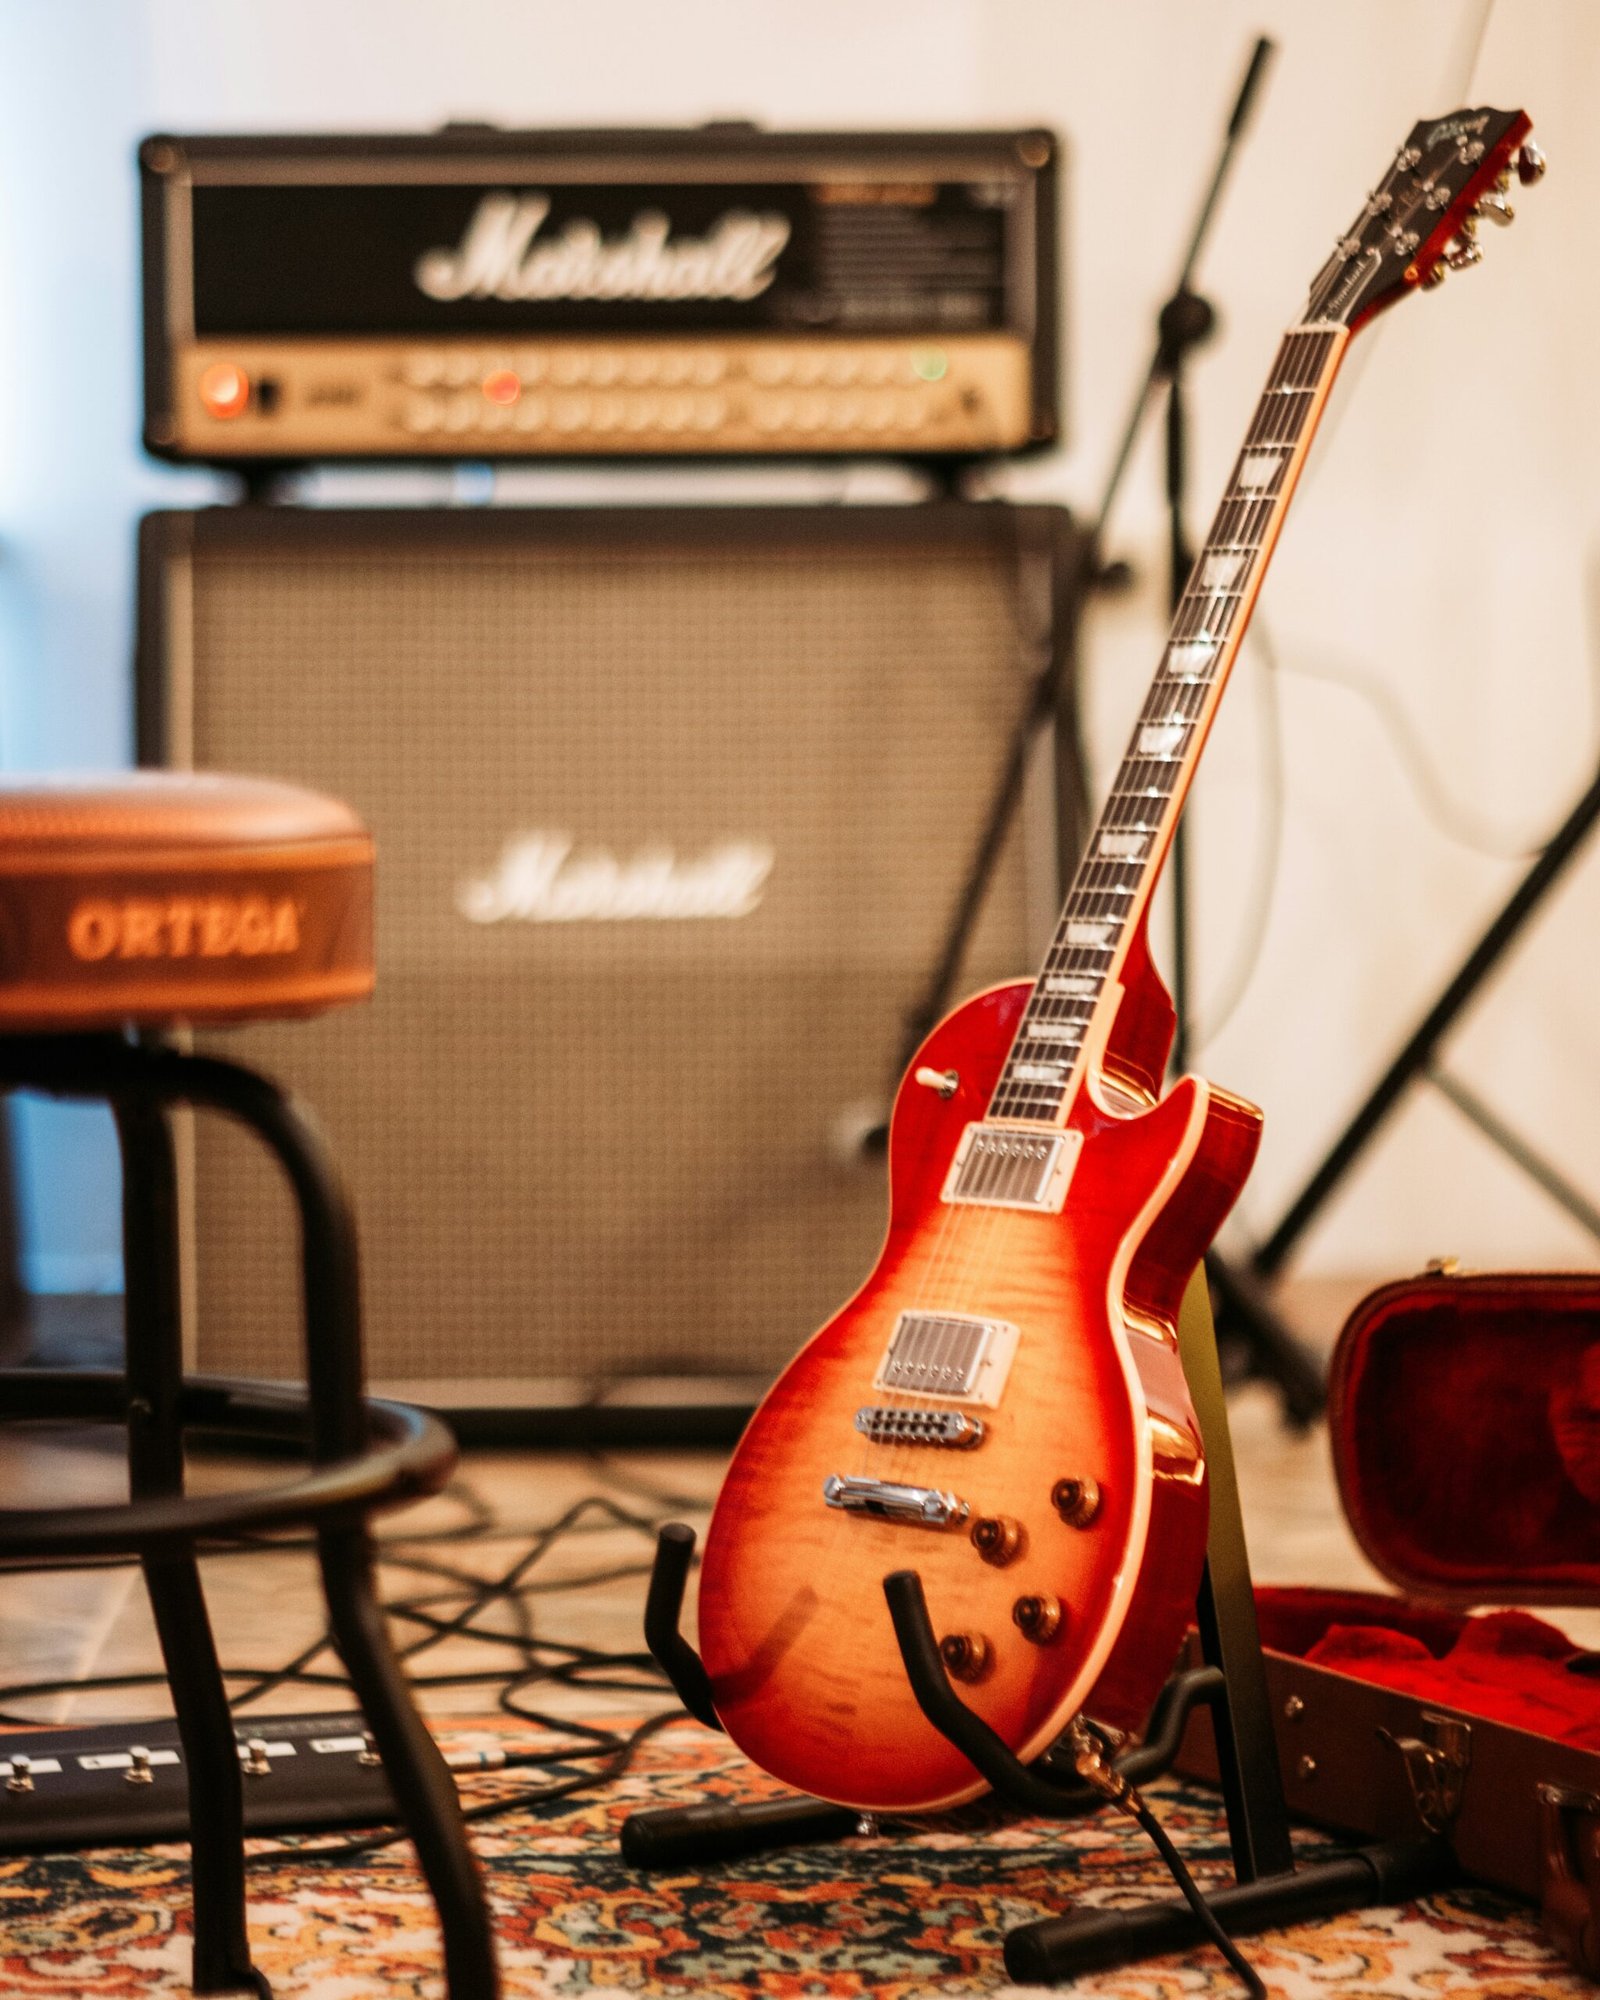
(1008, 1166)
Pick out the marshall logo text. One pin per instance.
(183, 927)
(498, 258)
(539, 880)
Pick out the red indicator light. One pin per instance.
(224, 389)
(502, 386)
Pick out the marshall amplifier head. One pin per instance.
(487, 294)
(672, 810)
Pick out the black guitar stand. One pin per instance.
(1269, 1891)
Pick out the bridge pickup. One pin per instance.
(956, 1357)
(919, 1505)
(946, 1427)
(1008, 1166)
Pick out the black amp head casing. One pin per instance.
(476, 293)
(672, 809)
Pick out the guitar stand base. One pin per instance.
(1053, 1948)
(1061, 1948)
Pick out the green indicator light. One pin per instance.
(931, 364)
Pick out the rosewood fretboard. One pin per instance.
(1117, 874)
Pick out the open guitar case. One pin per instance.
(1465, 1416)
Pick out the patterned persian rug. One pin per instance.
(898, 1917)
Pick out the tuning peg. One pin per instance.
(1531, 164)
(1463, 256)
(1433, 277)
(1497, 209)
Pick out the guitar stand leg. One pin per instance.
(1057, 1948)
(673, 1836)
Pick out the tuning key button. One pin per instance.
(966, 1655)
(1463, 257)
(997, 1538)
(1077, 1501)
(1038, 1619)
(1497, 209)
(1531, 164)
(1433, 277)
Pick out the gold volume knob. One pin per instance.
(965, 1655)
(997, 1538)
(1077, 1501)
(1038, 1619)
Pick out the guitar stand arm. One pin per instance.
(675, 1836)
(1033, 1788)
(663, 1611)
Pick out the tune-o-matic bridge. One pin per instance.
(946, 1427)
(1008, 1166)
(919, 1505)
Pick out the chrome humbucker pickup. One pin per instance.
(952, 1428)
(1007, 1166)
(954, 1357)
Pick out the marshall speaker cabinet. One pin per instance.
(673, 808)
(487, 294)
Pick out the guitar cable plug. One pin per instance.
(1092, 1751)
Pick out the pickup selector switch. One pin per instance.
(21, 1779)
(138, 1771)
(257, 1763)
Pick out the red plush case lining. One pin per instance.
(1465, 1419)
(1506, 1666)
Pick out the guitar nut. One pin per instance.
(997, 1538)
(1037, 1618)
(966, 1655)
(1077, 1501)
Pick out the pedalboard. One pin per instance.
(124, 1784)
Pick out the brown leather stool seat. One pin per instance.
(164, 897)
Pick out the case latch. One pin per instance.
(1569, 1873)
(1436, 1766)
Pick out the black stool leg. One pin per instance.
(155, 1467)
(417, 1773)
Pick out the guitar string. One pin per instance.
(960, 1254)
(965, 1253)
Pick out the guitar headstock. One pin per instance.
(1422, 218)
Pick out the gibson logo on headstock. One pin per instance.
(1455, 128)
(539, 880)
(498, 258)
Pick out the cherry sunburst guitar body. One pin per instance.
(803, 1665)
(1001, 1406)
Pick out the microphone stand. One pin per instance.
(1246, 1319)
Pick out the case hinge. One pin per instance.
(1436, 1766)
(1569, 1873)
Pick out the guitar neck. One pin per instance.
(1117, 875)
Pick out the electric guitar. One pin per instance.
(1001, 1405)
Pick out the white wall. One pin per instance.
(1443, 548)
